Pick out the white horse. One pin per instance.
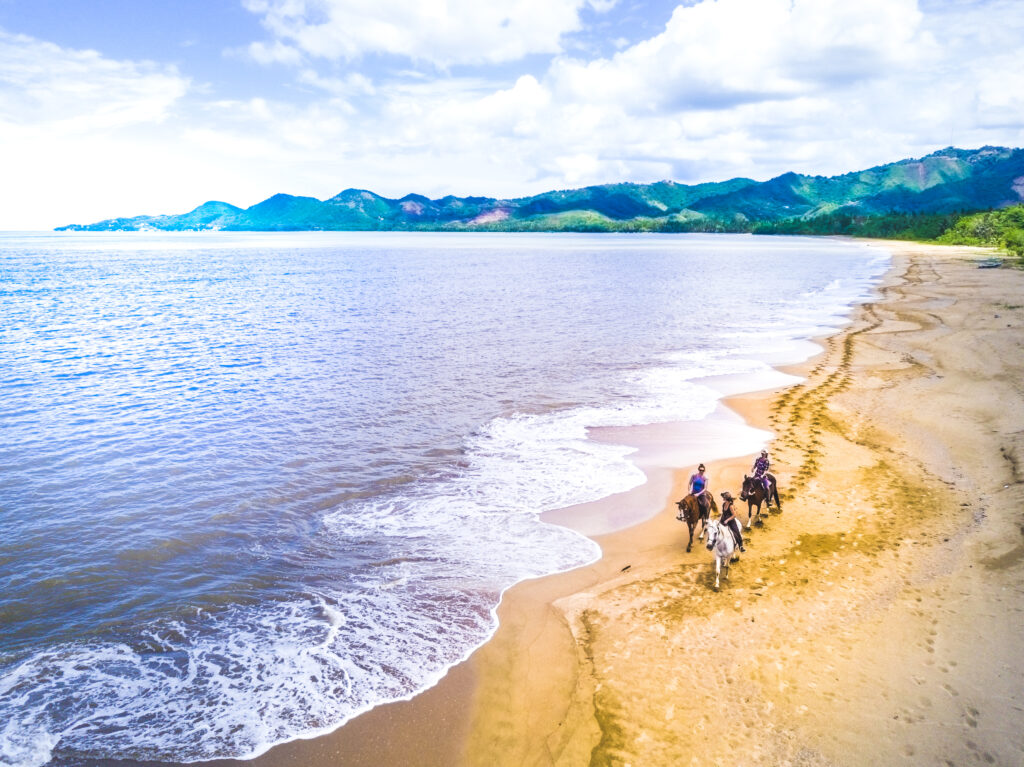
(721, 542)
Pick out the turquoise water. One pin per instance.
(254, 484)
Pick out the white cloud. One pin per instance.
(274, 53)
(744, 87)
(62, 92)
(353, 84)
(726, 88)
(441, 32)
(83, 136)
(70, 91)
(720, 89)
(716, 55)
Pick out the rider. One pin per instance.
(699, 488)
(728, 519)
(761, 464)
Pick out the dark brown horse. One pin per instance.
(691, 512)
(754, 494)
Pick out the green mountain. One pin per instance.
(947, 181)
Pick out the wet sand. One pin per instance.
(877, 619)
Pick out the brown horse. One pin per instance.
(754, 494)
(691, 512)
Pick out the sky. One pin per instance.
(115, 108)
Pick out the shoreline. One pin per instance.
(393, 732)
(865, 603)
(660, 449)
(585, 665)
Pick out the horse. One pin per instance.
(754, 494)
(691, 512)
(721, 542)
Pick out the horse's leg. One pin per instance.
(690, 543)
(718, 570)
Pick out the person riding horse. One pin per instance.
(729, 520)
(699, 489)
(760, 470)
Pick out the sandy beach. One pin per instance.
(876, 620)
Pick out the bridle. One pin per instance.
(714, 530)
(744, 495)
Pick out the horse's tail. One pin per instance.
(704, 510)
(775, 495)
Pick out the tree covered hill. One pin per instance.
(945, 182)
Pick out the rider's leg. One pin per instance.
(734, 525)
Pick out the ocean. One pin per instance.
(252, 485)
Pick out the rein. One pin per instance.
(720, 544)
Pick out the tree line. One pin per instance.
(1003, 228)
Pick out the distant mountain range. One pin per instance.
(950, 180)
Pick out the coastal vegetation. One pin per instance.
(957, 196)
(1001, 228)
(921, 227)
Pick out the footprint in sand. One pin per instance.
(971, 717)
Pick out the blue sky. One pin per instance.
(129, 107)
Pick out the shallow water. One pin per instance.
(253, 484)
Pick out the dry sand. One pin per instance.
(877, 620)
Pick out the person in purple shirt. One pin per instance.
(761, 465)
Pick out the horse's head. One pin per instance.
(713, 532)
(746, 487)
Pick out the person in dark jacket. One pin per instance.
(729, 519)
